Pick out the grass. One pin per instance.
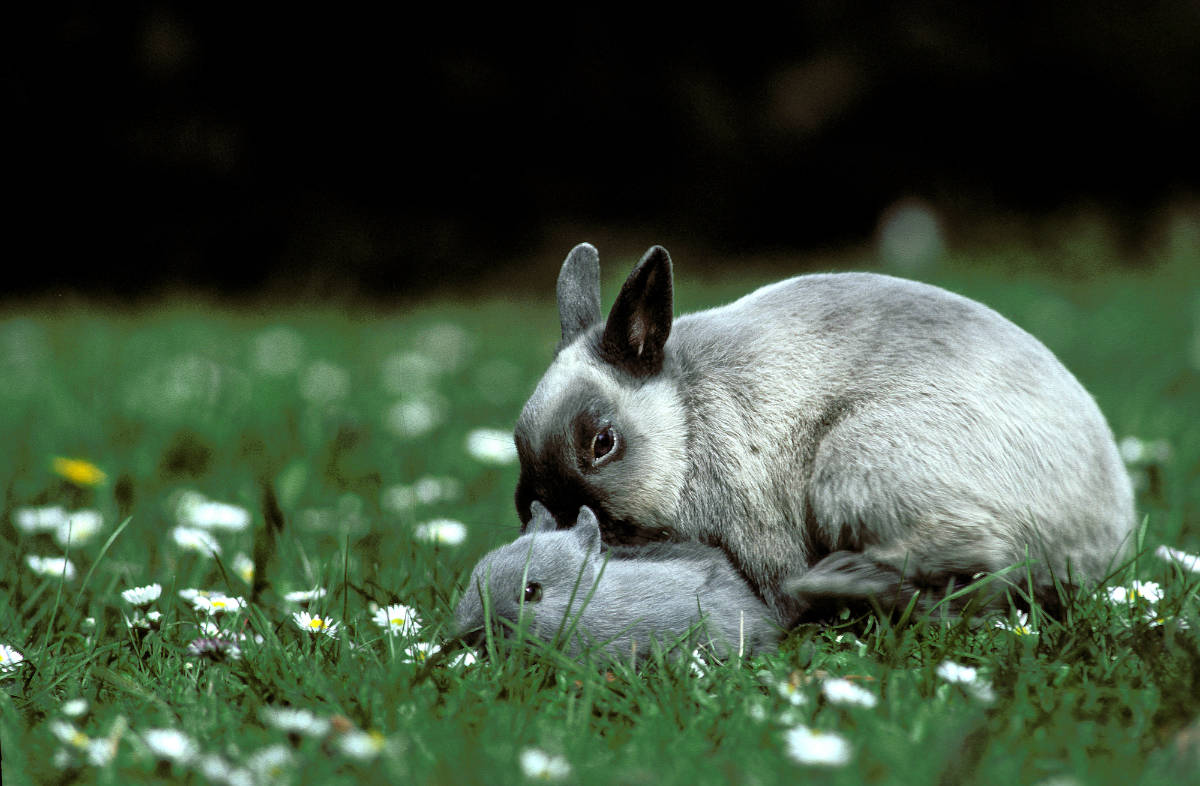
(320, 422)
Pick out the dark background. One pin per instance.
(310, 150)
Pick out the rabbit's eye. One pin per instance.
(533, 592)
(603, 443)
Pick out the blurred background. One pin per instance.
(173, 146)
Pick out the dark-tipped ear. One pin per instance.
(587, 529)
(579, 292)
(640, 320)
(540, 519)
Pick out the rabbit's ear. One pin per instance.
(540, 519)
(579, 292)
(640, 320)
(587, 530)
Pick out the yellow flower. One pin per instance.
(79, 472)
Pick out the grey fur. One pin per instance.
(620, 605)
(910, 435)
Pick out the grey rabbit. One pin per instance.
(623, 605)
(845, 436)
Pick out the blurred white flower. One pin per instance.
(427, 490)
(419, 651)
(293, 720)
(397, 620)
(813, 747)
(492, 446)
(789, 689)
(315, 624)
(445, 343)
(10, 659)
(1018, 627)
(1138, 451)
(1184, 560)
(46, 519)
(243, 566)
(462, 660)
(51, 566)
(141, 597)
(443, 531)
(840, 691)
(323, 382)
(151, 620)
(1140, 590)
(67, 734)
(218, 604)
(74, 708)
(304, 597)
(79, 527)
(413, 417)
(406, 373)
(361, 745)
(539, 765)
(270, 765)
(193, 539)
(968, 677)
(196, 510)
(277, 351)
(171, 745)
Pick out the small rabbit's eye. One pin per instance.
(533, 592)
(603, 443)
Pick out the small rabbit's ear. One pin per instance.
(587, 530)
(579, 292)
(540, 519)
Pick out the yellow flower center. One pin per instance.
(79, 739)
(317, 623)
(397, 621)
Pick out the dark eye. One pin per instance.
(603, 443)
(533, 592)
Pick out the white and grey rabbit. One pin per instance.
(845, 435)
(623, 605)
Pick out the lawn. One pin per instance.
(334, 460)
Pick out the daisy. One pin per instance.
(968, 677)
(67, 734)
(1145, 590)
(193, 539)
(304, 597)
(397, 619)
(822, 748)
(243, 566)
(315, 624)
(1019, 628)
(492, 446)
(74, 708)
(541, 766)
(171, 745)
(270, 765)
(294, 721)
(446, 532)
(10, 659)
(845, 692)
(141, 597)
(79, 527)
(218, 604)
(419, 652)
(47, 519)
(79, 472)
(789, 689)
(151, 620)
(463, 659)
(361, 745)
(1182, 558)
(51, 566)
(196, 510)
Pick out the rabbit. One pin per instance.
(845, 436)
(621, 604)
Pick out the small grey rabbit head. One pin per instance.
(534, 582)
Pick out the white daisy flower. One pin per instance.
(1182, 558)
(845, 692)
(79, 527)
(492, 446)
(51, 566)
(790, 690)
(10, 659)
(462, 660)
(292, 720)
(44, 519)
(101, 751)
(67, 734)
(539, 765)
(243, 566)
(270, 765)
(1018, 628)
(151, 620)
(194, 539)
(218, 604)
(315, 624)
(1144, 590)
(304, 597)
(74, 708)
(141, 597)
(322, 382)
(968, 677)
(446, 532)
(819, 748)
(361, 745)
(191, 593)
(171, 745)
(419, 651)
(397, 619)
